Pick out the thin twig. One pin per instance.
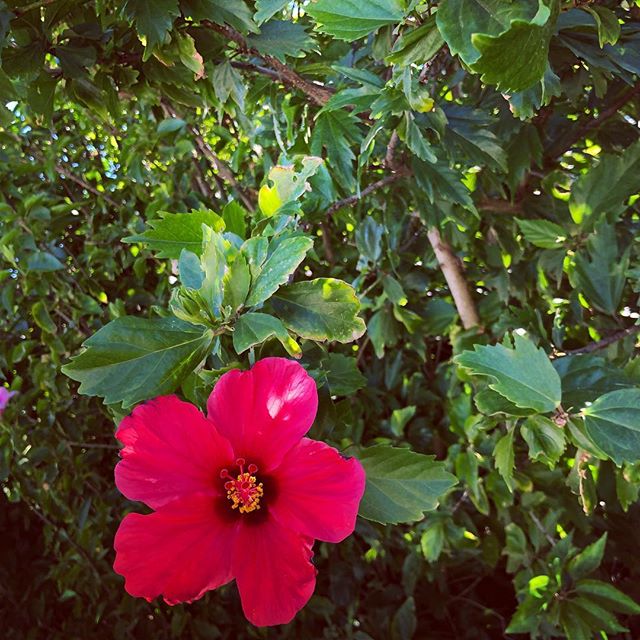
(538, 524)
(63, 532)
(452, 271)
(592, 123)
(92, 445)
(383, 182)
(85, 185)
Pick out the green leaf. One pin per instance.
(404, 622)
(280, 38)
(545, 439)
(439, 181)
(416, 46)
(524, 375)
(343, 376)
(542, 233)
(369, 239)
(233, 12)
(401, 484)
(235, 219)
(277, 268)
(214, 266)
(134, 359)
(412, 136)
(252, 329)
(600, 274)
(153, 19)
(190, 271)
(400, 419)
(383, 331)
(491, 403)
(237, 281)
(588, 560)
(320, 309)
(43, 261)
(505, 457)
(351, 19)
(170, 125)
(288, 185)
(336, 132)
(608, 596)
(517, 58)
(170, 233)
(42, 318)
(613, 423)
(266, 9)
(459, 20)
(607, 22)
(228, 83)
(605, 187)
(432, 540)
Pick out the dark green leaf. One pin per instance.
(401, 484)
(134, 359)
(321, 309)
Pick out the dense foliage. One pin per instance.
(433, 205)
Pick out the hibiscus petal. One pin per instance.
(319, 491)
(273, 571)
(179, 552)
(265, 411)
(171, 450)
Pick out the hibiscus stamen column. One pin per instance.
(243, 491)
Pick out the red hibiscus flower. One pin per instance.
(240, 494)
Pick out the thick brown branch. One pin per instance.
(320, 95)
(605, 342)
(383, 182)
(452, 271)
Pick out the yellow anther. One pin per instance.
(244, 493)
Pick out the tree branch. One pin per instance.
(319, 94)
(592, 123)
(452, 271)
(383, 182)
(605, 342)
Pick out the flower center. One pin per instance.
(243, 491)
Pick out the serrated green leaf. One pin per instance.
(253, 329)
(351, 19)
(266, 9)
(518, 58)
(608, 596)
(542, 233)
(524, 374)
(605, 187)
(607, 22)
(401, 484)
(170, 233)
(491, 403)
(588, 560)
(134, 359)
(153, 18)
(277, 268)
(545, 439)
(343, 376)
(458, 20)
(321, 309)
(233, 12)
(281, 38)
(613, 423)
